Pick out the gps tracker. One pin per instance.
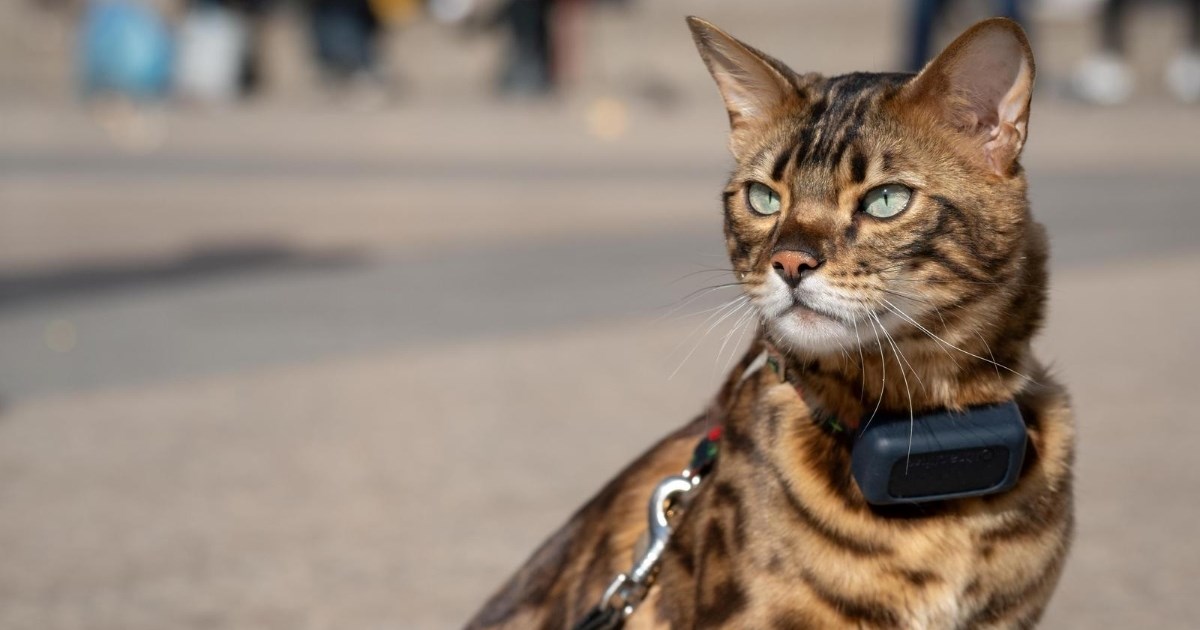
(941, 455)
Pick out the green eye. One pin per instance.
(763, 199)
(886, 201)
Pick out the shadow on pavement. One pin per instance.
(205, 263)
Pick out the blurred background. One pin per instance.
(323, 314)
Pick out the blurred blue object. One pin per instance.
(125, 47)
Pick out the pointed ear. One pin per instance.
(754, 86)
(981, 85)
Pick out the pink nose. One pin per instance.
(790, 264)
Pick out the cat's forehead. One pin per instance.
(845, 102)
(835, 113)
(856, 84)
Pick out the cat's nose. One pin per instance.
(791, 264)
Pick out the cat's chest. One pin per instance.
(771, 581)
(779, 536)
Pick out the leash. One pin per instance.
(628, 589)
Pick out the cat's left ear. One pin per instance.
(981, 85)
(755, 86)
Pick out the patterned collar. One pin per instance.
(772, 358)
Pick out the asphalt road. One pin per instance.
(302, 366)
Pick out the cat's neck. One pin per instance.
(916, 375)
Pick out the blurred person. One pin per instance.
(927, 15)
(345, 38)
(529, 68)
(540, 43)
(529, 64)
(542, 37)
(250, 72)
(1105, 78)
(215, 51)
(125, 49)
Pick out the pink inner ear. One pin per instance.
(988, 77)
(748, 85)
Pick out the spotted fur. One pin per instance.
(932, 308)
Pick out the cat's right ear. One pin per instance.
(755, 87)
(981, 85)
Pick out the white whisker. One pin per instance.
(862, 364)
(735, 305)
(925, 330)
(693, 296)
(895, 309)
(750, 323)
(882, 370)
(911, 417)
(989, 350)
(725, 341)
(717, 313)
(904, 359)
(701, 312)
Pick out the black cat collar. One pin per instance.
(941, 455)
(898, 458)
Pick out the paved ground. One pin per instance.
(305, 366)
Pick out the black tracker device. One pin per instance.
(941, 455)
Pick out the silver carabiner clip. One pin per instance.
(627, 590)
(659, 530)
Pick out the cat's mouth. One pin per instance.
(802, 322)
(802, 326)
(813, 316)
(805, 312)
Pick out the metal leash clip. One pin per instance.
(628, 589)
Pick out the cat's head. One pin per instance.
(870, 202)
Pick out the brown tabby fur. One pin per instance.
(778, 535)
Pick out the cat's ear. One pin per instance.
(754, 85)
(981, 85)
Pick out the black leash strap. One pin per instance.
(602, 618)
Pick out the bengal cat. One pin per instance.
(879, 225)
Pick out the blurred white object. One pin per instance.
(1066, 10)
(212, 47)
(450, 11)
(1103, 79)
(1183, 76)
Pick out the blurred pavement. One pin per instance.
(298, 365)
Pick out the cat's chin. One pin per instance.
(805, 330)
